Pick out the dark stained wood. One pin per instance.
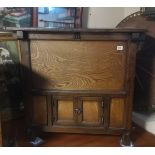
(50, 116)
(39, 110)
(80, 75)
(68, 65)
(80, 92)
(34, 17)
(83, 129)
(130, 76)
(25, 63)
(61, 30)
(80, 36)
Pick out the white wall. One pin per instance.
(105, 17)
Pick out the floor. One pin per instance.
(15, 132)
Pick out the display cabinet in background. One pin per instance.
(11, 106)
(54, 17)
(59, 17)
(15, 17)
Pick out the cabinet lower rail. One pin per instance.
(83, 130)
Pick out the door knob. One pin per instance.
(77, 111)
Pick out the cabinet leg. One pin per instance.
(32, 136)
(126, 140)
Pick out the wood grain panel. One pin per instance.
(90, 111)
(65, 110)
(39, 110)
(78, 65)
(117, 113)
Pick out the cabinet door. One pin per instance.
(63, 110)
(78, 111)
(91, 111)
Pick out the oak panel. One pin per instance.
(78, 65)
(90, 111)
(117, 113)
(65, 110)
(39, 109)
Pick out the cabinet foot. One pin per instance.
(33, 138)
(126, 140)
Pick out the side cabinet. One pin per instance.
(79, 81)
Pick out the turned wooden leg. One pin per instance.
(32, 136)
(126, 140)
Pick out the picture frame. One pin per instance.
(15, 17)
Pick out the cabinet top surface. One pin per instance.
(61, 30)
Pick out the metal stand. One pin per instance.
(125, 140)
(33, 139)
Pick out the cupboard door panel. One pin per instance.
(65, 110)
(39, 110)
(117, 108)
(92, 110)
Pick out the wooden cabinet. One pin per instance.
(79, 81)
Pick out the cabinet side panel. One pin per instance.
(39, 110)
(117, 113)
(78, 65)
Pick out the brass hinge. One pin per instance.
(53, 119)
(77, 36)
(102, 119)
(102, 104)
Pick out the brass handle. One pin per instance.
(77, 111)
